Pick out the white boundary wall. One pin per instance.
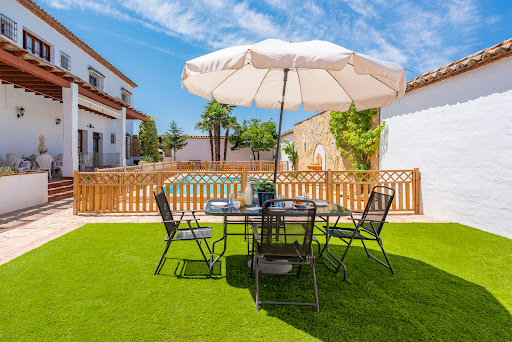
(23, 191)
(459, 133)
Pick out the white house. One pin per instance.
(455, 124)
(54, 84)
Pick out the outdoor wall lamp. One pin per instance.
(21, 112)
(90, 126)
(57, 121)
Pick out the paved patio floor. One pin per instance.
(23, 230)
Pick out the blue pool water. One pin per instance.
(197, 184)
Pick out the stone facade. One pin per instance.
(309, 133)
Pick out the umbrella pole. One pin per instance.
(276, 163)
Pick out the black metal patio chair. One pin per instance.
(369, 226)
(291, 246)
(174, 232)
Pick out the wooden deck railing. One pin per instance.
(258, 165)
(132, 192)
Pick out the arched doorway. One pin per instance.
(319, 155)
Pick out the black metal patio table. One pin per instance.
(324, 212)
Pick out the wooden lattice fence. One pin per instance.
(132, 192)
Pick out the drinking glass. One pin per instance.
(231, 198)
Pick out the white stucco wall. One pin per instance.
(199, 149)
(80, 60)
(23, 191)
(20, 135)
(458, 132)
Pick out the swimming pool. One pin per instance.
(205, 184)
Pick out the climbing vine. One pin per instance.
(354, 136)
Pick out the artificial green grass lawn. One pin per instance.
(452, 283)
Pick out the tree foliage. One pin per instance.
(354, 136)
(255, 134)
(148, 138)
(289, 149)
(173, 138)
(216, 116)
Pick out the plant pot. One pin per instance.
(315, 167)
(264, 196)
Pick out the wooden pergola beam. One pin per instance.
(23, 65)
(92, 96)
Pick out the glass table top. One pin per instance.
(324, 208)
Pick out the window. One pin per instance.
(96, 78)
(36, 46)
(65, 61)
(8, 28)
(112, 138)
(80, 137)
(126, 96)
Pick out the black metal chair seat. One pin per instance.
(370, 223)
(347, 234)
(174, 232)
(200, 233)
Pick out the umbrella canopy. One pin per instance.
(281, 75)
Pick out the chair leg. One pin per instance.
(386, 256)
(298, 272)
(207, 245)
(163, 256)
(257, 284)
(202, 252)
(314, 283)
(366, 249)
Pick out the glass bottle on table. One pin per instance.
(240, 197)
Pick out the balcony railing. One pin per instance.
(8, 27)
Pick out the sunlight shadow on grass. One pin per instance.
(420, 300)
(186, 268)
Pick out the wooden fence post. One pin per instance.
(75, 192)
(159, 179)
(328, 185)
(416, 190)
(243, 181)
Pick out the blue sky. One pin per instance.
(150, 40)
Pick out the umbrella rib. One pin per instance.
(224, 80)
(300, 87)
(352, 101)
(376, 79)
(257, 90)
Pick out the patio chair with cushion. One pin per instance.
(44, 162)
(369, 226)
(174, 232)
(292, 246)
(18, 163)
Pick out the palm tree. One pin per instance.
(229, 122)
(205, 126)
(213, 118)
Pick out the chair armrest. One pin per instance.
(184, 220)
(255, 232)
(367, 220)
(187, 211)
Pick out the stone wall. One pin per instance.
(309, 133)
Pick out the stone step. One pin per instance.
(56, 190)
(60, 195)
(64, 182)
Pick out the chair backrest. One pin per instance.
(44, 161)
(377, 208)
(165, 210)
(13, 159)
(287, 232)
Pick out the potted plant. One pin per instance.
(315, 166)
(265, 190)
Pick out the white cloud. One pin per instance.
(416, 34)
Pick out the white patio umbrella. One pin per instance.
(281, 75)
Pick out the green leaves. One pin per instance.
(173, 138)
(289, 149)
(265, 186)
(257, 135)
(354, 136)
(148, 137)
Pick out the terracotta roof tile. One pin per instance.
(478, 59)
